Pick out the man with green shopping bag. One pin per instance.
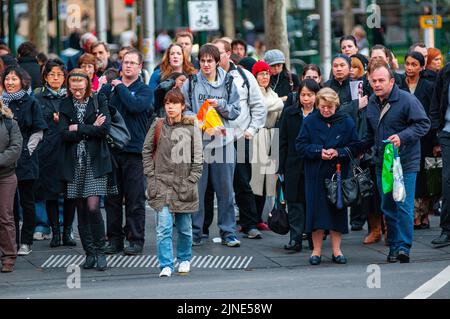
(399, 117)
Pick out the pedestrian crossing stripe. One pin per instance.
(146, 261)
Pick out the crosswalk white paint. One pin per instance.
(431, 286)
(146, 261)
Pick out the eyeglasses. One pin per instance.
(264, 74)
(132, 63)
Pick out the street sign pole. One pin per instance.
(100, 15)
(325, 37)
(148, 18)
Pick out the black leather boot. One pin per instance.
(69, 214)
(98, 233)
(67, 236)
(53, 217)
(87, 242)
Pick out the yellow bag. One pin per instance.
(209, 119)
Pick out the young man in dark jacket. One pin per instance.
(397, 116)
(131, 98)
(440, 122)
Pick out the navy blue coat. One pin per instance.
(314, 136)
(406, 117)
(134, 104)
(28, 114)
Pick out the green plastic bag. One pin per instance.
(387, 177)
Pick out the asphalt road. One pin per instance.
(259, 269)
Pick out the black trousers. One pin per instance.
(129, 174)
(297, 220)
(209, 207)
(26, 200)
(369, 205)
(245, 199)
(444, 140)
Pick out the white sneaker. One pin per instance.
(184, 267)
(166, 272)
(40, 236)
(24, 250)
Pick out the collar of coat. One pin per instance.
(185, 120)
(393, 97)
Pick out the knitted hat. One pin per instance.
(361, 58)
(274, 56)
(260, 66)
(247, 63)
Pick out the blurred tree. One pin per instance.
(38, 26)
(349, 19)
(228, 19)
(276, 27)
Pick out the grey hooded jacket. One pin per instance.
(229, 104)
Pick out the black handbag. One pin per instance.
(354, 188)
(278, 220)
(118, 136)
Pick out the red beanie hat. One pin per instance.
(259, 67)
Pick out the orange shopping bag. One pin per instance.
(209, 119)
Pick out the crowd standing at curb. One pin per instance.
(219, 127)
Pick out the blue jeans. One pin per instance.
(42, 223)
(221, 176)
(399, 216)
(164, 229)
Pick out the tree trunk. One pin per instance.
(349, 19)
(228, 19)
(38, 28)
(276, 27)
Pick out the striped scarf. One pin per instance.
(8, 97)
(80, 108)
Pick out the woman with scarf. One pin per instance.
(27, 112)
(321, 144)
(84, 122)
(49, 185)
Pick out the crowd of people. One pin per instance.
(276, 130)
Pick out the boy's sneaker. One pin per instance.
(231, 241)
(166, 272)
(197, 242)
(24, 250)
(184, 267)
(40, 236)
(253, 234)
